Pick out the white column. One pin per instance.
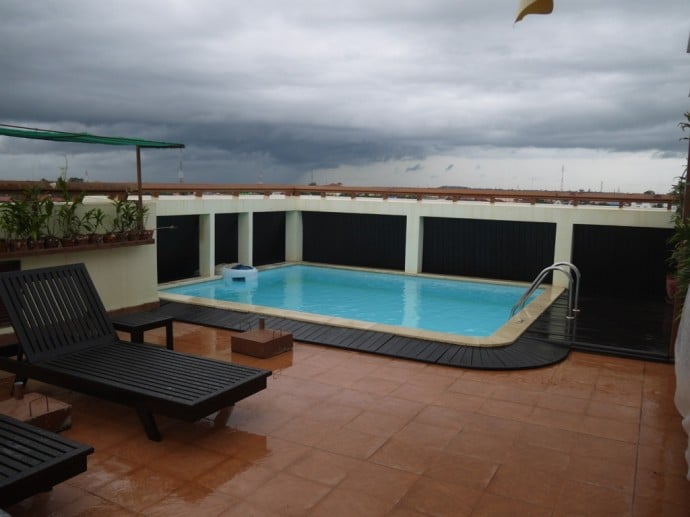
(245, 238)
(207, 244)
(414, 235)
(563, 250)
(293, 236)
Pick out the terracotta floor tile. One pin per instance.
(556, 418)
(537, 458)
(192, 499)
(478, 444)
(465, 470)
(352, 443)
(584, 499)
(324, 467)
(507, 409)
(425, 435)
(601, 472)
(418, 392)
(658, 485)
(436, 498)
(378, 424)
(536, 487)
(384, 483)
(288, 495)
(659, 459)
(492, 505)
(405, 456)
(645, 507)
(236, 477)
(305, 430)
(140, 489)
(333, 413)
(98, 473)
(376, 385)
(547, 438)
(600, 409)
(512, 394)
(563, 403)
(442, 417)
(626, 430)
(460, 401)
(342, 502)
(276, 454)
(187, 462)
(472, 387)
(90, 504)
(614, 451)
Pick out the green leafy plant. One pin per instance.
(679, 260)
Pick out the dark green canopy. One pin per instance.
(85, 138)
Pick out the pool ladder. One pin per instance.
(567, 269)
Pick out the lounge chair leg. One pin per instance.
(149, 424)
(223, 416)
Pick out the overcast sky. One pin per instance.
(375, 92)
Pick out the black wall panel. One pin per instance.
(178, 249)
(363, 240)
(621, 261)
(269, 238)
(507, 250)
(226, 238)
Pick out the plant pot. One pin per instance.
(17, 244)
(671, 286)
(109, 237)
(145, 234)
(52, 242)
(96, 238)
(68, 242)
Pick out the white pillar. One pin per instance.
(207, 244)
(563, 250)
(414, 235)
(293, 236)
(245, 238)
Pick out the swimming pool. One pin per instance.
(409, 304)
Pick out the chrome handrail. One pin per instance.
(564, 267)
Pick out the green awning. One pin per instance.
(85, 138)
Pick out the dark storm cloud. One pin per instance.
(278, 89)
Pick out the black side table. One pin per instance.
(136, 323)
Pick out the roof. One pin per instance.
(61, 136)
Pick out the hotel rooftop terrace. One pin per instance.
(340, 432)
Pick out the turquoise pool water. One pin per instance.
(442, 305)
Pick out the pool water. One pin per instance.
(434, 304)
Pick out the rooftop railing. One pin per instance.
(575, 198)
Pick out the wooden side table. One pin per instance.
(136, 323)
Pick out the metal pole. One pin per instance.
(140, 222)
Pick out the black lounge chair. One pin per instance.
(34, 460)
(67, 339)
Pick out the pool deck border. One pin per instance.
(529, 350)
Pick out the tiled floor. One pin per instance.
(343, 433)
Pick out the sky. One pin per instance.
(374, 93)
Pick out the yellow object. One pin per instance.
(533, 7)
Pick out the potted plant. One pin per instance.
(92, 221)
(15, 222)
(142, 216)
(68, 220)
(679, 261)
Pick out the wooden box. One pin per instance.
(39, 410)
(262, 343)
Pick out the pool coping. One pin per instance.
(505, 335)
